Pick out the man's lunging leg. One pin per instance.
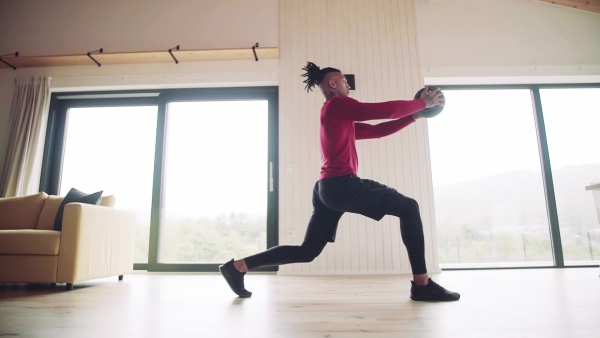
(234, 271)
(411, 230)
(320, 230)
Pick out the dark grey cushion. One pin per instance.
(75, 196)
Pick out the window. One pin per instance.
(573, 144)
(112, 149)
(488, 186)
(510, 166)
(197, 166)
(215, 181)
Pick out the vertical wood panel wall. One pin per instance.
(377, 41)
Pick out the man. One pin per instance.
(339, 190)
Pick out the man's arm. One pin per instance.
(350, 109)
(367, 131)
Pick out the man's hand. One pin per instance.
(433, 97)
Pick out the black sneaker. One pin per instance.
(235, 279)
(432, 292)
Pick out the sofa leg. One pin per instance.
(69, 287)
(120, 277)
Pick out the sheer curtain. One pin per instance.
(28, 119)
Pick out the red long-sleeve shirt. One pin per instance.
(339, 129)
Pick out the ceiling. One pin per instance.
(585, 5)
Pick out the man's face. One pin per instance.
(335, 84)
(342, 88)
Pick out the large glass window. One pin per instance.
(215, 181)
(488, 187)
(198, 166)
(572, 121)
(112, 149)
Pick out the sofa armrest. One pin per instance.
(96, 241)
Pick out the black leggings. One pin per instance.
(333, 197)
(286, 254)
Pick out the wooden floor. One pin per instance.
(495, 303)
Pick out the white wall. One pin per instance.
(63, 27)
(459, 40)
(375, 40)
(508, 41)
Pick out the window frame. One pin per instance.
(55, 141)
(548, 182)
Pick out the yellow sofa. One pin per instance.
(96, 240)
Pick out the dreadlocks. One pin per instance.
(314, 75)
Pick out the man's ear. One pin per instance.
(331, 83)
